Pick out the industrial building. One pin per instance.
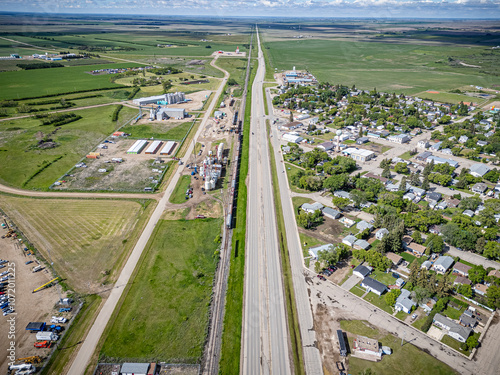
(153, 147)
(438, 160)
(137, 147)
(168, 148)
(210, 172)
(367, 348)
(292, 138)
(164, 113)
(359, 155)
(171, 98)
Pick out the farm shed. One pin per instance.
(168, 148)
(137, 147)
(134, 369)
(153, 147)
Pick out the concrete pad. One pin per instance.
(436, 333)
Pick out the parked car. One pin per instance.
(321, 277)
(414, 316)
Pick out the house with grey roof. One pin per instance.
(134, 369)
(361, 271)
(311, 208)
(463, 139)
(331, 213)
(342, 194)
(362, 225)
(374, 286)
(381, 233)
(479, 170)
(313, 251)
(404, 302)
(417, 191)
(468, 319)
(442, 264)
(349, 240)
(479, 188)
(442, 205)
(362, 244)
(434, 196)
(454, 330)
(468, 213)
(427, 264)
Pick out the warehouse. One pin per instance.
(134, 369)
(153, 148)
(359, 155)
(170, 98)
(292, 138)
(166, 113)
(137, 147)
(168, 148)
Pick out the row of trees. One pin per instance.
(374, 258)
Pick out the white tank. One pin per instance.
(212, 184)
(208, 185)
(386, 350)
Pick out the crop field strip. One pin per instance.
(83, 233)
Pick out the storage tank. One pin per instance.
(208, 185)
(212, 184)
(386, 350)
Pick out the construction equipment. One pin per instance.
(42, 344)
(65, 309)
(46, 285)
(32, 359)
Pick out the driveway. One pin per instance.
(436, 333)
(350, 282)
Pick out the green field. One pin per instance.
(406, 359)
(87, 239)
(164, 315)
(163, 131)
(179, 194)
(21, 157)
(392, 66)
(40, 82)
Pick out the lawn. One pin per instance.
(357, 290)
(40, 82)
(383, 277)
(420, 321)
(455, 344)
(291, 170)
(164, 315)
(378, 301)
(453, 313)
(390, 67)
(308, 242)
(299, 201)
(163, 131)
(405, 156)
(87, 239)
(26, 165)
(401, 315)
(235, 67)
(179, 194)
(408, 257)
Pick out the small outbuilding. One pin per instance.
(134, 369)
(361, 271)
(374, 286)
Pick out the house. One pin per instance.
(438, 160)
(366, 347)
(400, 138)
(480, 289)
(481, 143)
(134, 369)
(455, 330)
(311, 208)
(494, 273)
(362, 225)
(468, 213)
(435, 229)
(400, 282)
(381, 233)
(404, 302)
(362, 155)
(442, 264)
(362, 140)
(407, 240)
(362, 244)
(434, 196)
(463, 139)
(291, 125)
(423, 143)
(461, 280)
(417, 191)
(441, 205)
(313, 251)
(427, 264)
(394, 258)
(428, 306)
(342, 194)
(479, 188)
(347, 222)
(436, 146)
(409, 196)
(374, 286)
(331, 213)
(479, 170)
(285, 149)
(468, 319)
(326, 146)
(452, 203)
(461, 269)
(423, 156)
(417, 249)
(361, 271)
(349, 240)
(371, 175)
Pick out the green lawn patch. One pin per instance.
(292, 170)
(349, 142)
(401, 315)
(357, 290)
(163, 131)
(164, 315)
(405, 156)
(378, 301)
(408, 257)
(179, 194)
(455, 344)
(453, 313)
(299, 201)
(359, 327)
(383, 277)
(308, 242)
(420, 321)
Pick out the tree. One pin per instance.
(417, 237)
(392, 296)
(401, 168)
(472, 342)
(415, 179)
(358, 197)
(480, 245)
(402, 185)
(167, 85)
(493, 296)
(386, 173)
(492, 250)
(420, 294)
(465, 290)
(470, 203)
(340, 203)
(434, 243)
(317, 267)
(425, 183)
(477, 274)
(328, 256)
(335, 182)
(414, 270)
(385, 163)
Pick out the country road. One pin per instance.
(265, 347)
(89, 346)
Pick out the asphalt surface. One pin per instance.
(89, 345)
(312, 359)
(265, 337)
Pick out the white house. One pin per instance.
(455, 330)
(313, 251)
(374, 286)
(404, 302)
(479, 170)
(381, 233)
(361, 271)
(423, 144)
(311, 208)
(443, 264)
(349, 240)
(400, 138)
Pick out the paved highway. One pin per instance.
(312, 359)
(265, 348)
(89, 345)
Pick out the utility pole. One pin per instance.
(403, 338)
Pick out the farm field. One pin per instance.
(393, 67)
(164, 314)
(26, 165)
(87, 239)
(415, 361)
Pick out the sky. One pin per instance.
(275, 8)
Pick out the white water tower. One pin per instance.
(339, 133)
